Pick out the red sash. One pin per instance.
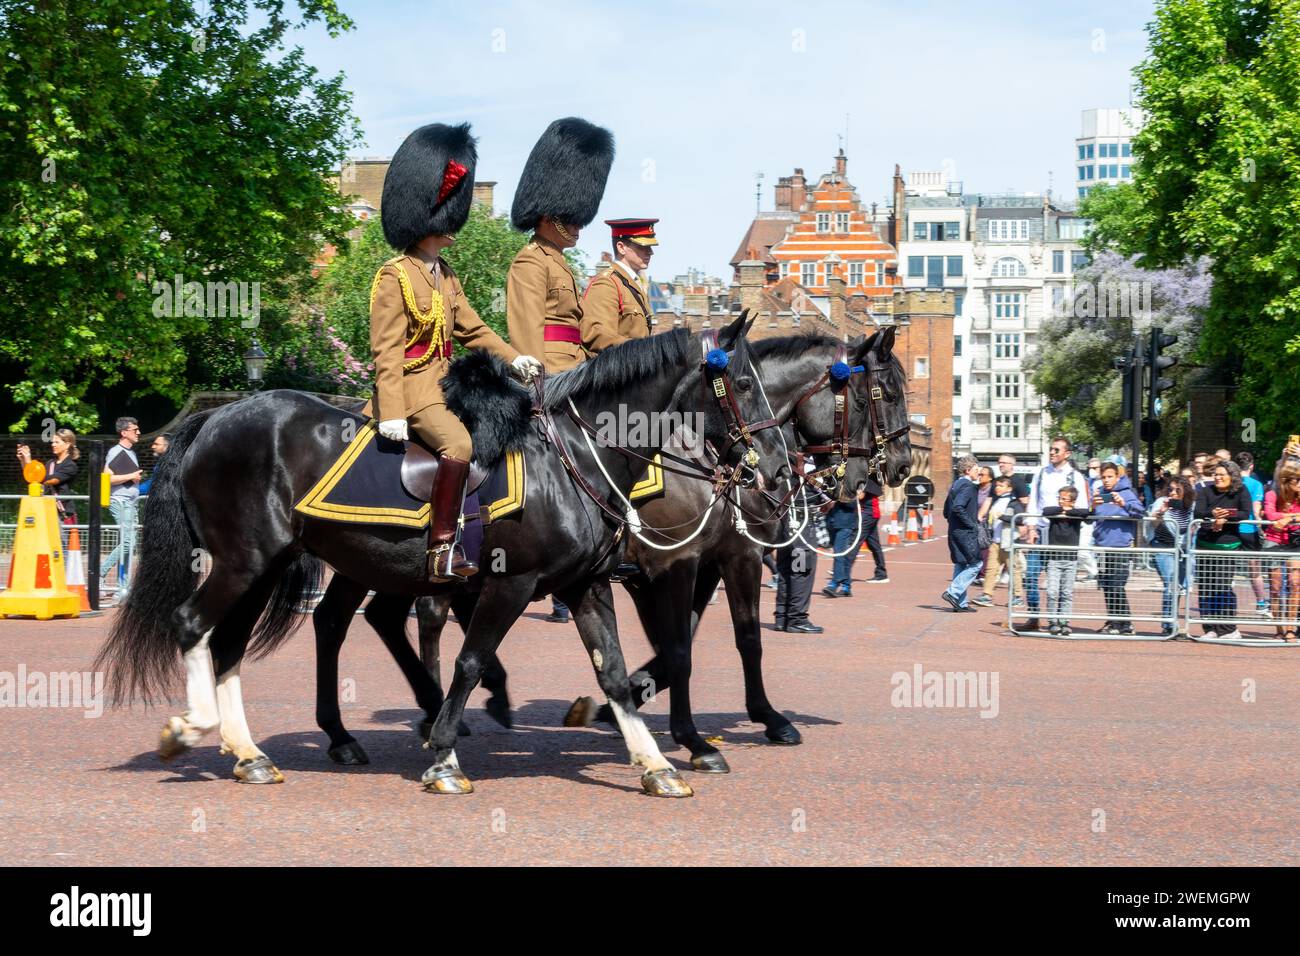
(562, 333)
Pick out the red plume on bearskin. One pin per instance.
(430, 185)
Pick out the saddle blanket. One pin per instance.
(365, 486)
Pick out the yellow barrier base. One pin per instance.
(40, 606)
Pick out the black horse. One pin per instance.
(677, 579)
(233, 476)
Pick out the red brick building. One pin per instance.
(817, 229)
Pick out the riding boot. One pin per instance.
(447, 561)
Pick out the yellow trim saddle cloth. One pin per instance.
(364, 485)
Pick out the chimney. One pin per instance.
(799, 191)
(782, 192)
(835, 282)
(841, 163)
(483, 195)
(898, 217)
(751, 284)
(696, 303)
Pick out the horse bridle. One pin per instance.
(837, 377)
(715, 368)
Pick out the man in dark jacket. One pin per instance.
(961, 510)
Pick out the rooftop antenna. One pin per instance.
(758, 191)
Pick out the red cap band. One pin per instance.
(451, 178)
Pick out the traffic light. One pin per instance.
(1130, 366)
(1160, 340)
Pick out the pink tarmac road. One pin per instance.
(1094, 753)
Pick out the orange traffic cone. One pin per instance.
(912, 530)
(927, 525)
(892, 530)
(75, 570)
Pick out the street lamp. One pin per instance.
(254, 364)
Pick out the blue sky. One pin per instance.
(700, 96)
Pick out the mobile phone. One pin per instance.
(1295, 439)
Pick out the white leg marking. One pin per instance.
(200, 688)
(234, 726)
(640, 743)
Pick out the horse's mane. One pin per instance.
(618, 367)
(791, 346)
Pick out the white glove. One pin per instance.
(394, 429)
(526, 367)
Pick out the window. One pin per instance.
(954, 265)
(915, 267)
(880, 272)
(1010, 229)
(1126, 149)
(809, 276)
(855, 273)
(1006, 385)
(1058, 260)
(1081, 156)
(1078, 259)
(1126, 172)
(1088, 154)
(920, 230)
(1083, 172)
(823, 222)
(1006, 345)
(1006, 425)
(1058, 301)
(956, 385)
(1006, 305)
(1083, 190)
(958, 299)
(956, 428)
(841, 222)
(956, 345)
(1008, 267)
(934, 272)
(952, 231)
(917, 418)
(921, 367)
(785, 268)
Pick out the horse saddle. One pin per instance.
(420, 464)
(377, 481)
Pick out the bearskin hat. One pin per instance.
(565, 175)
(430, 185)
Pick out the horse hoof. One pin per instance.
(446, 780)
(582, 713)
(171, 742)
(710, 763)
(349, 754)
(498, 708)
(786, 734)
(665, 783)
(258, 770)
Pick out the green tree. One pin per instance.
(144, 139)
(1218, 175)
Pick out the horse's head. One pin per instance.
(725, 394)
(853, 419)
(880, 391)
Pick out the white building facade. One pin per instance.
(1103, 149)
(1009, 261)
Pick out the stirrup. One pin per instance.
(448, 571)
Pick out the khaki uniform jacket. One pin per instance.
(605, 320)
(401, 391)
(541, 291)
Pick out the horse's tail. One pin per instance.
(281, 618)
(141, 657)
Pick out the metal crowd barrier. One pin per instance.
(1058, 586)
(1151, 593)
